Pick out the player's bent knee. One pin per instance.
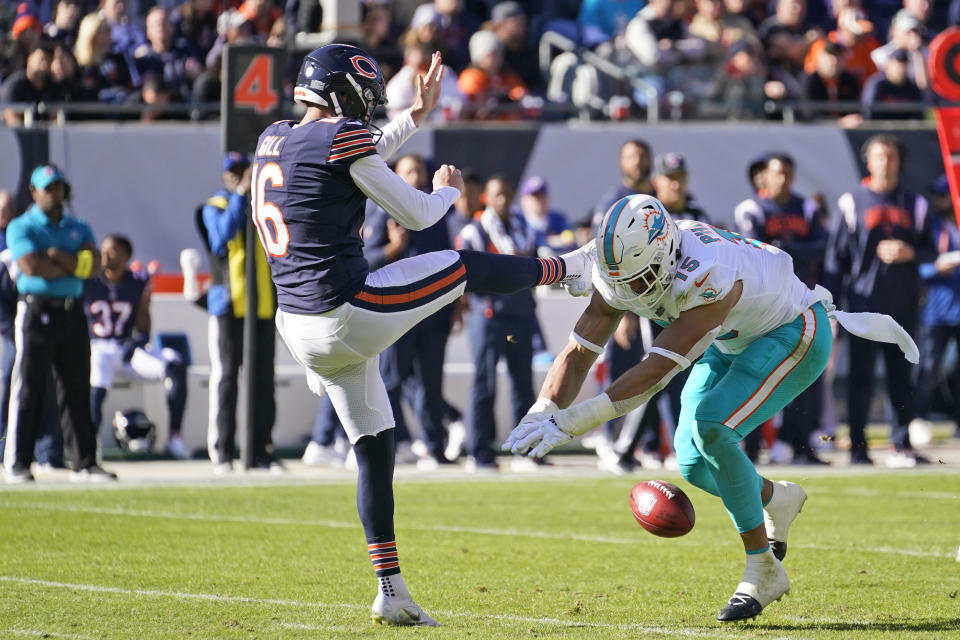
(697, 474)
(709, 434)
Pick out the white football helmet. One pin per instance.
(638, 246)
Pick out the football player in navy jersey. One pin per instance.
(311, 180)
(117, 304)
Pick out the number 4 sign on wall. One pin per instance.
(252, 95)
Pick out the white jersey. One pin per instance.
(711, 261)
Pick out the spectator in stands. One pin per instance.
(509, 23)
(25, 35)
(486, 84)
(424, 29)
(500, 326)
(790, 222)
(608, 17)
(196, 20)
(756, 11)
(103, 74)
(66, 20)
(262, 14)
(718, 28)
(551, 227)
(855, 34)
(32, 85)
(920, 10)
(125, 33)
(65, 75)
(872, 256)
(659, 38)
(829, 82)
(154, 96)
(940, 315)
(232, 28)
(906, 34)
(892, 87)
(380, 37)
(224, 217)
(740, 84)
(402, 87)
(458, 23)
(418, 356)
(635, 160)
(790, 17)
(173, 60)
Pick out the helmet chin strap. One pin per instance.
(336, 103)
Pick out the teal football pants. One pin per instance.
(728, 396)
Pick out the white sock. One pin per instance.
(393, 586)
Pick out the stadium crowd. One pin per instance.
(744, 55)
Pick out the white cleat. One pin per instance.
(400, 612)
(579, 264)
(318, 455)
(786, 502)
(764, 581)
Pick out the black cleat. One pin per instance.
(740, 607)
(779, 549)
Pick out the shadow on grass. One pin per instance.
(935, 624)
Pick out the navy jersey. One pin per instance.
(309, 211)
(796, 227)
(111, 307)
(867, 218)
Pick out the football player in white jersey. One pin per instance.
(761, 337)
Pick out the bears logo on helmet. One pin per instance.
(343, 78)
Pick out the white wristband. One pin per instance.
(580, 418)
(586, 344)
(544, 405)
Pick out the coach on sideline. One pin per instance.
(56, 253)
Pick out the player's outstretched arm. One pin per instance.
(568, 372)
(410, 207)
(682, 342)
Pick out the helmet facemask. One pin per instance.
(638, 249)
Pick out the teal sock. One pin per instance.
(756, 552)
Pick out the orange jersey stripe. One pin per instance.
(398, 298)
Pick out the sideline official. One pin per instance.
(56, 253)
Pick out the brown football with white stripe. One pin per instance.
(662, 508)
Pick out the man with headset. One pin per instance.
(872, 262)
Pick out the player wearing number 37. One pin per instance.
(754, 336)
(310, 183)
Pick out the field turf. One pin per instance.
(873, 555)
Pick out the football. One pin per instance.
(662, 508)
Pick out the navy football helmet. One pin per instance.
(343, 78)
(133, 430)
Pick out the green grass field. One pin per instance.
(871, 556)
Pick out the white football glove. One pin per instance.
(537, 437)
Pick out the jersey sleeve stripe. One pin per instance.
(353, 153)
(344, 135)
(352, 143)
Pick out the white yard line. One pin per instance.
(336, 524)
(180, 595)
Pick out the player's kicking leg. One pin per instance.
(779, 511)
(377, 317)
